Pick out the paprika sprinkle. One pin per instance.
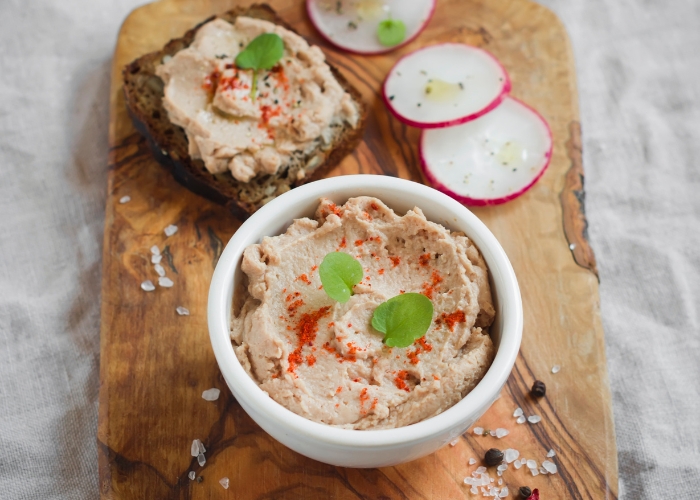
(306, 330)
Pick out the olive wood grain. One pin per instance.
(155, 364)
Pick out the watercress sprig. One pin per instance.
(403, 319)
(263, 52)
(391, 32)
(339, 272)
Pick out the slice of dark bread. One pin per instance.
(143, 90)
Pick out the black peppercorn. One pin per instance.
(200, 479)
(493, 457)
(538, 389)
(524, 491)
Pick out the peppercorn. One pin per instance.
(200, 479)
(525, 491)
(538, 389)
(493, 457)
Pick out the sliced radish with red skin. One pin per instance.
(445, 85)
(353, 26)
(490, 160)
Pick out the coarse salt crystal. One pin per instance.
(500, 482)
(500, 432)
(201, 460)
(517, 464)
(543, 471)
(502, 467)
(468, 480)
(224, 482)
(165, 282)
(170, 230)
(550, 454)
(125, 199)
(155, 259)
(191, 475)
(194, 449)
(472, 461)
(510, 454)
(550, 467)
(182, 311)
(454, 442)
(533, 419)
(480, 470)
(531, 464)
(534, 472)
(521, 419)
(473, 490)
(504, 492)
(159, 269)
(518, 412)
(155, 250)
(493, 433)
(556, 368)
(148, 286)
(478, 431)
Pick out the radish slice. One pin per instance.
(353, 25)
(444, 85)
(490, 160)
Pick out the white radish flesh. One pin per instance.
(444, 85)
(352, 24)
(490, 160)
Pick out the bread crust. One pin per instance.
(143, 91)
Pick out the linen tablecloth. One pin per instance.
(639, 83)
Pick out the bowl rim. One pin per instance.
(251, 395)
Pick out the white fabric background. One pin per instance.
(639, 72)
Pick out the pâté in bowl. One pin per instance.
(364, 319)
(314, 370)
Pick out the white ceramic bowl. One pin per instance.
(367, 448)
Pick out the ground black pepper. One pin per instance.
(524, 491)
(493, 457)
(538, 389)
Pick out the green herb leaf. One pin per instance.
(403, 319)
(340, 272)
(262, 53)
(391, 32)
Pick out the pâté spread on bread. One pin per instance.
(250, 123)
(323, 358)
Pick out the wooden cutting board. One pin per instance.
(155, 364)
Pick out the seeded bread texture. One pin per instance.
(143, 91)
